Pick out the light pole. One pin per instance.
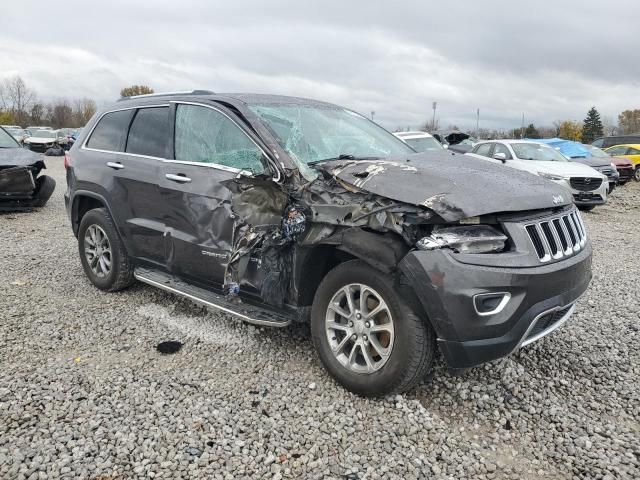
(478, 124)
(433, 122)
(372, 114)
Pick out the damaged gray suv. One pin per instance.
(279, 209)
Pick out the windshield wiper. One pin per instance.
(343, 156)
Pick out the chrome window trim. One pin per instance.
(86, 140)
(216, 166)
(225, 167)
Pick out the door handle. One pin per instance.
(115, 165)
(178, 178)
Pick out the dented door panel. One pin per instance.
(198, 221)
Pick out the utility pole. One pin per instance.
(433, 122)
(478, 124)
(522, 127)
(372, 114)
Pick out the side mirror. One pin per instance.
(500, 156)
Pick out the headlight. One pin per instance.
(464, 239)
(551, 176)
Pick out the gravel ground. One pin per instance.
(85, 394)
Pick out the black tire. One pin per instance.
(45, 186)
(414, 342)
(636, 174)
(586, 208)
(120, 274)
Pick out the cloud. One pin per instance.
(552, 62)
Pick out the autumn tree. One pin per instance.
(629, 121)
(592, 126)
(83, 110)
(570, 130)
(136, 90)
(16, 98)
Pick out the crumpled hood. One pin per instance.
(453, 186)
(18, 157)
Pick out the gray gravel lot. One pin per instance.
(85, 394)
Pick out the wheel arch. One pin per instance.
(82, 202)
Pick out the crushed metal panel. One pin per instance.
(452, 186)
(16, 181)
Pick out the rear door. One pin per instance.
(129, 144)
(209, 147)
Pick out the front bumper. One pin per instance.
(446, 287)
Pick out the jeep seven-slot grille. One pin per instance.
(585, 184)
(557, 237)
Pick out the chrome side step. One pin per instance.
(246, 312)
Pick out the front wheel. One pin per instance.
(636, 174)
(586, 208)
(365, 335)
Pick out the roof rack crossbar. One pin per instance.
(164, 94)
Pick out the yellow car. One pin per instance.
(630, 151)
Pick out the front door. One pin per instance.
(210, 148)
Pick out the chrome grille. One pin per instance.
(585, 184)
(557, 237)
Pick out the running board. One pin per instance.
(244, 311)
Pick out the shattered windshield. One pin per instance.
(6, 140)
(424, 144)
(314, 133)
(537, 151)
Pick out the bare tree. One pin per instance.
(17, 98)
(83, 110)
(37, 113)
(61, 114)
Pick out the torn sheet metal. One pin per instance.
(453, 186)
(16, 181)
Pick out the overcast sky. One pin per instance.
(549, 59)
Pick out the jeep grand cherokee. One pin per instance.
(278, 209)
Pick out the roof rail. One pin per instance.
(164, 94)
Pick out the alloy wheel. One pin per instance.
(97, 251)
(360, 329)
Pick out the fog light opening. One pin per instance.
(490, 303)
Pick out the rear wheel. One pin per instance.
(366, 336)
(102, 253)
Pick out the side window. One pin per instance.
(111, 131)
(617, 150)
(500, 148)
(483, 149)
(633, 151)
(149, 132)
(599, 142)
(206, 135)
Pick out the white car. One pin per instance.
(420, 141)
(42, 140)
(588, 186)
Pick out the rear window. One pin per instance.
(111, 131)
(149, 132)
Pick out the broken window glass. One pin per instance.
(206, 135)
(311, 133)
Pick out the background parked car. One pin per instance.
(605, 142)
(20, 185)
(577, 152)
(42, 140)
(587, 186)
(18, 133)
(631, 152)
(455, 140)
(623, 166)
(420, 141)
